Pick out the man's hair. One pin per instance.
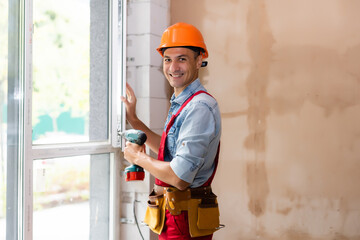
(196, 50)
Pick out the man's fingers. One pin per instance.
(130, 96)
(128, 87)
(124, 99)
(129, 90)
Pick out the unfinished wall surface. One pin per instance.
(286, 74)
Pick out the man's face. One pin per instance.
(181, 67)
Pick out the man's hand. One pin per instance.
(132, 152)
(153, 140)
(130, 104)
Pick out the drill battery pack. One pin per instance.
(134, 173)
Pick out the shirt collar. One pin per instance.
(186, 93)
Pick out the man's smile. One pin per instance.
(176, 75)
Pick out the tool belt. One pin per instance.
(201, 204)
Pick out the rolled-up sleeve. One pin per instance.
(195, 135)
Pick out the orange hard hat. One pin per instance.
(182, 35)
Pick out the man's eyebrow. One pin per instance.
(179, 56)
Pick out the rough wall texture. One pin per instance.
(286, 74)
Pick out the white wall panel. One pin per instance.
(146, 22)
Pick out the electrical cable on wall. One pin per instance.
(136, 221)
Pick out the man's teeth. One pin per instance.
(176, 75)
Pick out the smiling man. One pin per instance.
(182, 204)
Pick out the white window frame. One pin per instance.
(117, 70)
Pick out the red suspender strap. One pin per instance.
(163, 141)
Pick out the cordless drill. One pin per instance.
(134, 172)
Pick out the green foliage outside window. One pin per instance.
(61, 58)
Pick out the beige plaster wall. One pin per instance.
(286, 74)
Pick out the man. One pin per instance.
(182, 205)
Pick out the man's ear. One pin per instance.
(199, 61)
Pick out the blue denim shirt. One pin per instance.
(192, 141)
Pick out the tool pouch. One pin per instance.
(208, 214)
(176, 201)
(203, 216)
(155, 212)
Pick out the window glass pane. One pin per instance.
(3, 112)
(70, 65)
(73, 195)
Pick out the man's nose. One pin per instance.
(174, 66)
